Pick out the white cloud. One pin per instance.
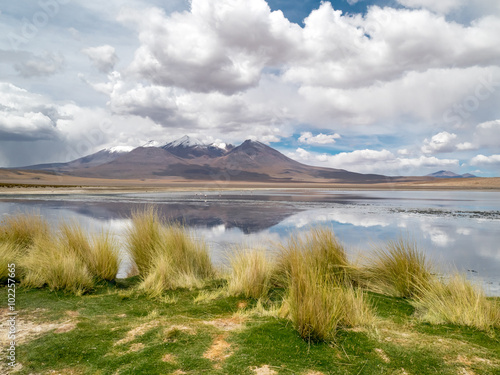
(373, 161)
(484, 160)
(441, 142)
(219, 45)
(44, 65)
(25, 116)
(466, 146)
(476, 8)
(441, 6)
(319, 139)
(103, 57)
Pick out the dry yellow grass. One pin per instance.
(320, 250)
(98, 252)
(167, 256)
(399, 269)
(50, 264)
(9, 254)
(251, 271)
(456, 300)
(22, 229)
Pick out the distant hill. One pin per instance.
(449, 174)
(190, 159)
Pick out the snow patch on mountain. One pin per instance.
(185, 141)
(119, 149)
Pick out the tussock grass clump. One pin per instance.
(22, 229)
(251, 272)
(51, 264)
(144, 237)
(167, 255)
(320, 294)
(457, 301)
(320, 250)
(104, 262)
(9, 254)
(99, 252)
(400, 269)
(313, 305)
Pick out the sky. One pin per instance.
(398, 87)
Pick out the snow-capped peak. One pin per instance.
(152, 144)
(119, 149)
(185, 141)
(221, 145)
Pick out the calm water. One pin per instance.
(454, 228)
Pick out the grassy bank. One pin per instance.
(303, 308)
(118, 331)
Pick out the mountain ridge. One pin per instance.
(449, 174)
(190, 159)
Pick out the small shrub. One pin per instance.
(251, 273)
(457, 301)
(399, 269)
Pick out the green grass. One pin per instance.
(115, 330)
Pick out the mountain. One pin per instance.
(190, 148)
(106, 155)
(448, 174)
(189, 159)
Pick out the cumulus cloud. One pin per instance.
(485, 160)
(25, 116)
(103, 57)
(373, 161)
(44, 65)
(474, 7)
(217, 46)
(487, 134)
(319, 139)
(442, 6)
(441, 142)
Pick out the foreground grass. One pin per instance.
(116, 330)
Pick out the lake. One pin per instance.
(453, 228)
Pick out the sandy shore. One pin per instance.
(24, 182)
